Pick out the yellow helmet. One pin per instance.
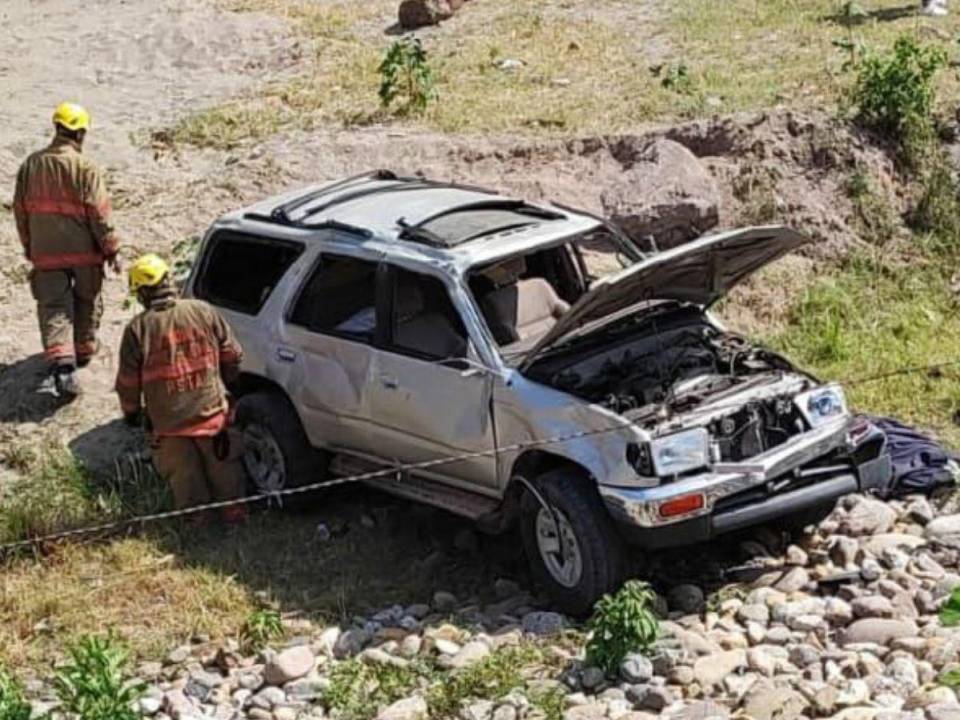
(71, 116)
(147, 271)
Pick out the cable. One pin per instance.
(7, 548)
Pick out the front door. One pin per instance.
(428, 400)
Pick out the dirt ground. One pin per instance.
(141, 64)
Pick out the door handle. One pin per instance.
(390, 383)
(286, 355)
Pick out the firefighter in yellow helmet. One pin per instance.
(63, 217)
(175, 359)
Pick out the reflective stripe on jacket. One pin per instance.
(174, 358)
(62, 209)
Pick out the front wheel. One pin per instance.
(570, 542)
(276, 452)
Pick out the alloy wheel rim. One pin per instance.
(565, 567)
(263, 459)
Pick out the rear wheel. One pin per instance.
(276, 452)
(571, 544)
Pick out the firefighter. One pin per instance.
(175, 358)
(63, 217)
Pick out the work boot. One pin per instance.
(65, 381)
(934, 8)
(86, 352)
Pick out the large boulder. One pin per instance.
(664, 192)
(419, 13)
(867, 517)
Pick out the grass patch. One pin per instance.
(867, 319)
(545, 66)
(138, 590)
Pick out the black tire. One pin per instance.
(274, 438)
(603, 557)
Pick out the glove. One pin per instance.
(133, 419)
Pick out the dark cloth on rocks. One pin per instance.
(920, 464)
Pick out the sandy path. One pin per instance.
(136, 64)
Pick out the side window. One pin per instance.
(239, 272)
(339, 299)
(424, 322)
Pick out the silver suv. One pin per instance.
(567, 381)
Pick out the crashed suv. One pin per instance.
(534, 365)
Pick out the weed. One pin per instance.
(622, 623)
(756, 188)
(894, 94)
(675, 77)
(358, 689)
(938, 208)
(950, 678)
(13, 705)
(491, 678)
(94, 684)
(405, 75)
(184, 255)
(876, 220)
(58, 492)
(261, 627)
(950, 611)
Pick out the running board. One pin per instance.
(413, 487)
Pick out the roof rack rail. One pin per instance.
(325, 225)
(282, 212)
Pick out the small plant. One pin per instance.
(674, 77)
(357, 690)
(950, 610)
(622, 623)
(94, 684)
(950, 678)
(938, 208)
(490, 679)
(184, 256)
(13, 705)
(405, 75)
(894, 93)
(260, 628)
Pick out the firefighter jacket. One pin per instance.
(176, 356)
(62, 209)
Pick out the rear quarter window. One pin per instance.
(239, 272)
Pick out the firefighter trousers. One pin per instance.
(195, 474)
(69, 307)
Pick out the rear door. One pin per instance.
(429, 399)
(328, 342)
(239, 274)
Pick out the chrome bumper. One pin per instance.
(776, 469)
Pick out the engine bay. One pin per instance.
(680, 364)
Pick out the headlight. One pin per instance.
(681, 452)
(822, 405)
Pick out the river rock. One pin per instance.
(944, 529)
(711, 669)
(867, 517)
(767, 702)
(411, 708)
(877, 630)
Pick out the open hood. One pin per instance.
(699, 272)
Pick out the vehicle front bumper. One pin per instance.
(786, 480)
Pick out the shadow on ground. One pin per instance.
(355, 551)
(879, 15)
(19, 383)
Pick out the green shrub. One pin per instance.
(405, 75)
(260, 628)
(938, 208)
(894, 94)
(13, 705)
(357, 689)
(94, 685)
(950, 610)
(622, 623)
(490, 679)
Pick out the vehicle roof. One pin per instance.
(416, 218)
